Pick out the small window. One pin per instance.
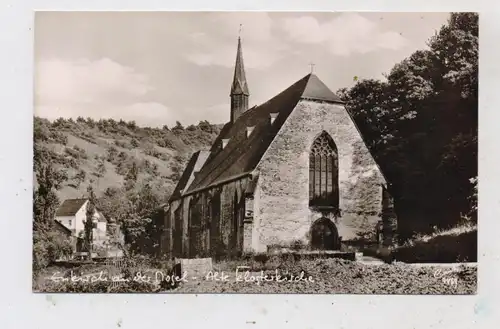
(69, 222)
(94, 225)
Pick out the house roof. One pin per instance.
(70, 207)
(242, 154)
(62, 227)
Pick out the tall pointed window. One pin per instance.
(323, 173)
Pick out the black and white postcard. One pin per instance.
(255, 152)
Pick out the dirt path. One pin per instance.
(470, 264)
(368, 260)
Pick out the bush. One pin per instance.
(59, 138)
(134, 142)
(298, 245)
(123, 144)
(48, 247)
(112, 152)
(76, 152)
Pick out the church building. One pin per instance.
(293, 171)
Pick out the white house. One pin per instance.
(72, 214)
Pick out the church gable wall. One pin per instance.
(282, 211)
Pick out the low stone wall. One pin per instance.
(197, 267)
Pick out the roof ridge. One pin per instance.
(256, 107)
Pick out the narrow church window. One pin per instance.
(177, 234)
(195, 227)
(237, 227)
(323, 173)
(215, 226)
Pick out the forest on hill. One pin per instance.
(131, 171)
(105, 153)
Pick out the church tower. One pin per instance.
(239, 89)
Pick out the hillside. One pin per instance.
(104, 152)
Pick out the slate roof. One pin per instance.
(70, 207)
(194, 164)
(242, 154)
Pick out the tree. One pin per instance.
(47, 245)
(48, 180)
(89, 221)
(41, 130)
(131, 177)
(132, 125)
(178, 127)
(134, 142)
(112, 152)
(421, 125)
(101, 169)
(204, 125)
(133, 211)
(80, 177)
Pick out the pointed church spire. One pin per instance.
(240, 85)
(239, 88)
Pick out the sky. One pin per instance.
(157, 68)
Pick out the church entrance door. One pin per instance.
(324, 235)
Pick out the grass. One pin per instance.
(318, 276)
(456, 245)
(460, 229)
(333, 276)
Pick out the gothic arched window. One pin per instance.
(323, 173)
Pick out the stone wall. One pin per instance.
(233, 236)
(282, 212)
